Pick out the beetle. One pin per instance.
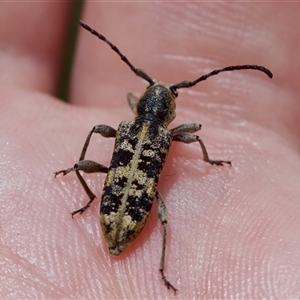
(140, 152)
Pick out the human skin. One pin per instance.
(233, 232)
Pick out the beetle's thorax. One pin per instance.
(157, 104)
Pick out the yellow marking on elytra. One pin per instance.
(133, 173)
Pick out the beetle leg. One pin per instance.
(88, 166)
(104, 130)
(187, 138)
(162, 215)
(132, 101)
(186, 128)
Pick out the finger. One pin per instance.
(32, 40)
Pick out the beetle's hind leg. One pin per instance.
(162, 215)
(88, 166)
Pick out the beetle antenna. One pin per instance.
(138, 72)
(188, 83)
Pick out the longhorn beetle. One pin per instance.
(140, 151)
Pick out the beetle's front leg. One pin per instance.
(88, 166)
(132, 101)
(183, 134)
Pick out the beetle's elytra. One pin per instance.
(140, 151)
